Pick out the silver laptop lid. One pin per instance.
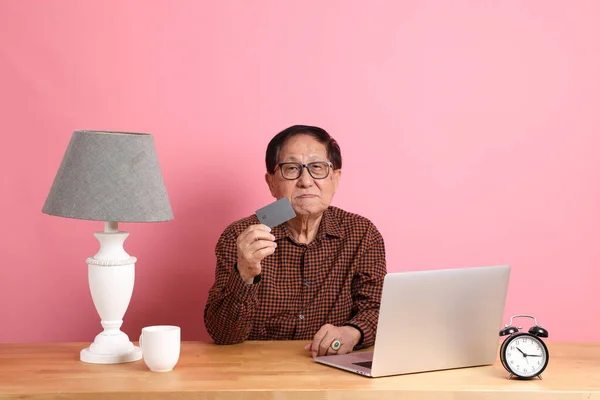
(432, 320)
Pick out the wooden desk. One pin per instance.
(278, 370)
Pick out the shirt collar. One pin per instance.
(329, 226)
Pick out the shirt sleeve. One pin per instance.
(231, 302)
(367, 285)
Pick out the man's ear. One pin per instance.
(270, 183)
(336, 176)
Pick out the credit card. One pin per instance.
(276, 213)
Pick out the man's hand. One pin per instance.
(321, 344)
(253, 245)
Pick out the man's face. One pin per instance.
(308, 196)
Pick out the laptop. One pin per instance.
(433, 320)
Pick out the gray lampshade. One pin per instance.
(110, 176)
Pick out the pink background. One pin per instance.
(469, 131)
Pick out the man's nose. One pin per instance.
(305, 179)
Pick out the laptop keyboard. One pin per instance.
(366, 364)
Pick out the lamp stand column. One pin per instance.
(111, 274)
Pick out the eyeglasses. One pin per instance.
(293, 170)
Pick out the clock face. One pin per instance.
(525, 355)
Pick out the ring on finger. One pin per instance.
(335, 345)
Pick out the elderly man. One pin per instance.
(317, 277)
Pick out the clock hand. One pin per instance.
(534, 355)
(524, 355)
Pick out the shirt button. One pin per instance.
(301, 316)
(306, 283)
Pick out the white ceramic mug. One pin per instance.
(160, 346)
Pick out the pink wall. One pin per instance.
(470, 132)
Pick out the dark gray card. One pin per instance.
(276, 213)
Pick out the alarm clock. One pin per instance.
(524, 354)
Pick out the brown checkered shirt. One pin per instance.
(336, 279)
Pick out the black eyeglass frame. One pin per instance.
(307, 166)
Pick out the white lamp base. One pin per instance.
(86, 355)
(111, 274)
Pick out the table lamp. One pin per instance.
(112, 177)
